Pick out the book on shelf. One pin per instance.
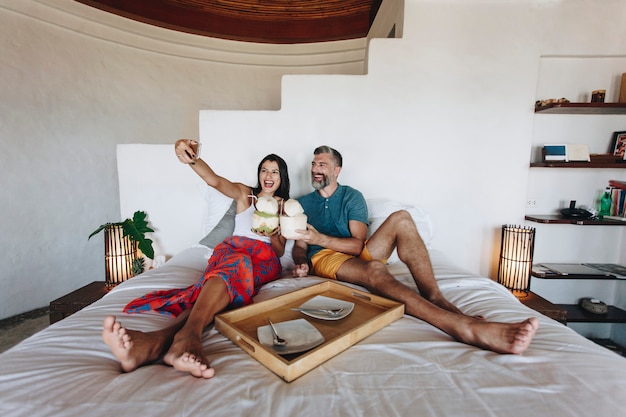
(615, 207)
(617, 184)
(553, 270)
(615, 270)
(618, 198)
(581, 270)
(621, 200)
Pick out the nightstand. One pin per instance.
(76, 300)
(545, 307)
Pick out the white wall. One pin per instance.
(450, 104)
(76, 81)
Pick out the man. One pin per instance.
(335, 246)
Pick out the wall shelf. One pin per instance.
(582, 108)
(592, 164)
(576, 314)
(557, 219)
(587, 277)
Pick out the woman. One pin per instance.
(236, 270)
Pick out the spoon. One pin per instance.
(278, 341)
(329, 311)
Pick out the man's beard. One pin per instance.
(321, 184)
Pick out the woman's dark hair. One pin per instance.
(283, 190)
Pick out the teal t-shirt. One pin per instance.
(330, 216)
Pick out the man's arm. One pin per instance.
(301, 268)
(350, 245)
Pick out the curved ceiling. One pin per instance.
(264, 21)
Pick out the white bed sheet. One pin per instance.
(408, 368)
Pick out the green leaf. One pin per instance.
(98, 230)
(136, 229)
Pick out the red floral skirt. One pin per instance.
(244, 264)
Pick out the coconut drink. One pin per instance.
(293, 218)
(265, 217)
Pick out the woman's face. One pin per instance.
(269, 178)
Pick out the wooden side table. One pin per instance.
(545, 307)
(76, 300)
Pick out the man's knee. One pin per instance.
(402, 220)
(376, 273)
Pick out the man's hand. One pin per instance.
(301, 270)
(310, 236)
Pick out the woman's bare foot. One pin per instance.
(500, 337)
(186, 354)
(132, 348)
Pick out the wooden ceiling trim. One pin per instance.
(269, 21)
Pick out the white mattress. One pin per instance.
(408, 368)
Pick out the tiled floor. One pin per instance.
(18, 328)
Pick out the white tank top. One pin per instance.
(243, 225)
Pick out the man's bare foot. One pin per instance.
(186, 354)
(501, 337)
(132, 348)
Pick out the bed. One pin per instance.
(407, 368)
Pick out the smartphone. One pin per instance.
(196, 148)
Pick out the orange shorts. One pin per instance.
(327, 262)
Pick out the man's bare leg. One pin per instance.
(498, 337)
(399, 231)
(186, 352)
(134, 348)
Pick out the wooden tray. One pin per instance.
(371, 313)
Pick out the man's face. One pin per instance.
(323, 171)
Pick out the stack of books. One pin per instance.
(618, 200)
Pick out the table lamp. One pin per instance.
(516, 258)
(119, 254)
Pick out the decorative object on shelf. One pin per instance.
(122, 243)
(618, 144)
(605, 203)
(539, 104)
(575, 213)
(578, 153)
(605, 158)
(622, 90)
(597, 96)
(516, 258)
(593, 305)
(565, 153)
(617, 184)
(554, 153)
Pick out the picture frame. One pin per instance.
(618, 144)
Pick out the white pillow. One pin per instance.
(379, 209)
(218, 204)
(195, 257)
(287, 259)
